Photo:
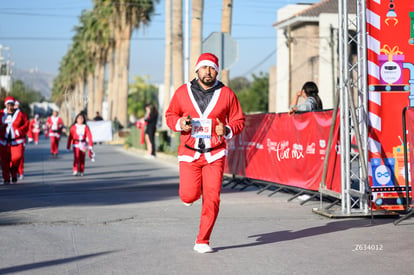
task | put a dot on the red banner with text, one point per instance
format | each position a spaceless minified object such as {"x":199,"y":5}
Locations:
{"x":288,"y":150}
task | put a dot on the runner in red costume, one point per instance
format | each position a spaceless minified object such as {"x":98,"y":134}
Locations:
{"x":56,"y":127}
{"x":20,"y":170}
{"x":13,"y":129}
{"x":80,"y":137}
{"x":207,"y":113}
{"x":34,"y":129}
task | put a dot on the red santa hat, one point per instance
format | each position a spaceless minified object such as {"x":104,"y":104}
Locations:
{"x":8,"y":100}
{"x":207,"y":59}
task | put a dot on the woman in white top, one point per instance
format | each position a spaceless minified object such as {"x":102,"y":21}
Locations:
{"x":312,"y":100}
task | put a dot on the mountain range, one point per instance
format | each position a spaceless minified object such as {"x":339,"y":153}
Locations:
{"x":36,"y":80}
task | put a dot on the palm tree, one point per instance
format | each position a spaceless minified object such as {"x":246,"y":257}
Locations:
{"x":126,"y":16}
{"x":196,"y":32}
{"x":226,"y":27}
{"x":177,"y":43}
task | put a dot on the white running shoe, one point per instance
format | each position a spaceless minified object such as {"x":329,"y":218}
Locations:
{"x":202,"y":248}
{"x":75,"y":173}
{"x":187,"y":204}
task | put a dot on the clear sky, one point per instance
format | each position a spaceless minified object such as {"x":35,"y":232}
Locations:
{"x":39,"y":34}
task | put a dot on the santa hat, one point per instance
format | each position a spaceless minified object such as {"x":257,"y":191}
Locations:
{"x":207,"y":59}
{"x":8,"y":100}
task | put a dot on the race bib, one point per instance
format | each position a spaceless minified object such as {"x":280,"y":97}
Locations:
{"x":201,"y":128}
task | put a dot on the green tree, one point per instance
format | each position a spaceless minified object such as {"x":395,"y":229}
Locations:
{"x":238,"y":84}
{"x":25,"y":95}
{"x":141,"y":93}
{"x":254,"y":98}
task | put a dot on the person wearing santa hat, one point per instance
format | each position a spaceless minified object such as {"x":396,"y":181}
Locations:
{"x":80,"y":137}
{"x":207,"y":113}
{"x":21,"y":165}
{"x":34,"y":129}
{"x":13,"y":129}
{"x":56,"y":127}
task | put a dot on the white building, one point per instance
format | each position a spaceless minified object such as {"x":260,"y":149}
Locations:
{"x":307,"y":50}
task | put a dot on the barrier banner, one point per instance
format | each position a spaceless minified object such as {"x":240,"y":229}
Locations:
{"x":391,"y":88}
{"x":101,"y":130}
{"x":286,"y":149}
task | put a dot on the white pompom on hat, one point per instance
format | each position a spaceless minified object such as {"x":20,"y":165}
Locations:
{"x":9,"y":100}
{"x":207,"y":59}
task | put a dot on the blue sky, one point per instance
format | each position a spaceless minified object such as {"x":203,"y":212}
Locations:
{"x":39,"y":34}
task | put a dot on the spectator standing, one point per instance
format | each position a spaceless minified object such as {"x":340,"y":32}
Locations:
{"x":311,"y":98}
{"x":98,"y":117}
{"x":151,"y":118}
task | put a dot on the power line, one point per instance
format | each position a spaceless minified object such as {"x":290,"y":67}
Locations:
{"x":260,"y":63}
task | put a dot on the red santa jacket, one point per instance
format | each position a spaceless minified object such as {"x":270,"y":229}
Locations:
{"x":55,"y":125}
{"x":80,"y":136}
{"x":224,"y":105}
{"x":13,"y":128}
{"x":35,"y":125}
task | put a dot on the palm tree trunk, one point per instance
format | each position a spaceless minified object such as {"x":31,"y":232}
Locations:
{"x":81,"y":102}
{"x":100,"y":91}
{"x":91,"y":99}
{"x":111,"y":78}
{"x":122,"y":112}
{"x":167,"y":61}
{"x":99,"y":86}
{"x":76,"y":98}
{"x":196,"y":33}
{"x":177,"y":43}
{"x":226,"y":27}
{"x":116,"y":76}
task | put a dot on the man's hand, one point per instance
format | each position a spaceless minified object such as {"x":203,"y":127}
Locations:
{"x":185,"y":123}
{"x":220,"y":128}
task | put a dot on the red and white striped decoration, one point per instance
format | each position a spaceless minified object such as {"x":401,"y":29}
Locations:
{"x":374,"y":98}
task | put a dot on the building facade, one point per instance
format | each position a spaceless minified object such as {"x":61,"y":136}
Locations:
{"x":307,"y":43}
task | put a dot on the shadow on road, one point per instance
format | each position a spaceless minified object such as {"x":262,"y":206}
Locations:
{"x":46,"y":264}
{"x":288,"y":235}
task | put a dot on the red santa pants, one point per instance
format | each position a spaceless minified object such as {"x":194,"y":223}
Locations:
{"x":36,"y":137}
{"x":21,"y":165}
{"x":200,"y":178}
{"x":78,"y":160}
{"x":54,"y":144}
{"x":11,"y":157}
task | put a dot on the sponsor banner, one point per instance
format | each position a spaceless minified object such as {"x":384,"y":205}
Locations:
{"x":391,"y":82}
{"x":287,"y":150}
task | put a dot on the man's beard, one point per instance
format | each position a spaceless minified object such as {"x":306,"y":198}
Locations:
{"x":207,"y":82}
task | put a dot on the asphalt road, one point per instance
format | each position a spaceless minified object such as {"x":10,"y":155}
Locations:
{"x":124,"y":217}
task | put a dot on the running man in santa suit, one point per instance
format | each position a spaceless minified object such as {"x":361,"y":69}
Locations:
{"x":207,"y":113}
{"x":56,"y":127}
{"x":13,"y":128}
